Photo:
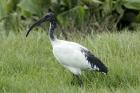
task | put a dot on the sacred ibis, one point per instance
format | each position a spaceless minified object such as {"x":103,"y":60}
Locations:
{"x":71,"y":55}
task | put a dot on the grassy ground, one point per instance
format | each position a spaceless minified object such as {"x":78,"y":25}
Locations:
{"x":27,"y":65}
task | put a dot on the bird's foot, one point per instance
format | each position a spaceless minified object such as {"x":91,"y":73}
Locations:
{"x":77,"y":81}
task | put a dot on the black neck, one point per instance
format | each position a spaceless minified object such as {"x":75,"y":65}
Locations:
{"x":51,"y":31}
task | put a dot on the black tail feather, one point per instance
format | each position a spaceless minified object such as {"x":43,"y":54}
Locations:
{"x":95,"y":63}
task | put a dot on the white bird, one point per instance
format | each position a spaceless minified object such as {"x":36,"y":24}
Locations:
{"x":72,"y":56}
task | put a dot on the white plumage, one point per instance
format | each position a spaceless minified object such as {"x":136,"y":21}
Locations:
{"x":72,"y":56}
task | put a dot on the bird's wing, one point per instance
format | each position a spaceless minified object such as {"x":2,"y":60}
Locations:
{"x":95,"y":63}
{"x":69,"y":54}
{"x":74,"y":54}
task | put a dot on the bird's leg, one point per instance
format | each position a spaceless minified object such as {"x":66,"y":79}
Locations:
{"x":80,"y":82}
{"x":77,"y":80}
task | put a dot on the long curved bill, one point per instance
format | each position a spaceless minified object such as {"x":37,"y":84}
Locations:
{"x":36,"y":24}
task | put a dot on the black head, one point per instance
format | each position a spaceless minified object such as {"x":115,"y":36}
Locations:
{"x":48,"y":17}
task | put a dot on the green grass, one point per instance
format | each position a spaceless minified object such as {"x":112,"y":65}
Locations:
{"x":27,"y":65}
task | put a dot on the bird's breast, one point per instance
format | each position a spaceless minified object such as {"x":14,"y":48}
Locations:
{"x":70,"y":56}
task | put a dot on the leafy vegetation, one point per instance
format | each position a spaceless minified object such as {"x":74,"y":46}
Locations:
{"x":97,"y":14}
{"x":27,"y":65}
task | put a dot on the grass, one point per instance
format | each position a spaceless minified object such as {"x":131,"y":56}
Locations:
{"x":27,"y":65}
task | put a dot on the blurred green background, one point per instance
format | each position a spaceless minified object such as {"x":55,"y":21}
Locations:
{"x":27,"y":65}
{"x":100,"y":15}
